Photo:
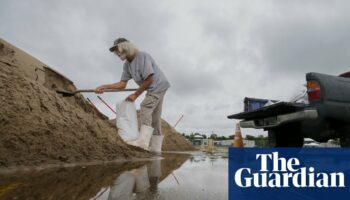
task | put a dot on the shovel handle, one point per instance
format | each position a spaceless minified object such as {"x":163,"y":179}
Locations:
{"x":107,"y":90}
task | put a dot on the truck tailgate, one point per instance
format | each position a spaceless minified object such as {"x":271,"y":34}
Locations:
{"x":268,"y":111}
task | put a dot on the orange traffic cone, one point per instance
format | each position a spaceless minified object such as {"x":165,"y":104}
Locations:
{"x":238,"y":141}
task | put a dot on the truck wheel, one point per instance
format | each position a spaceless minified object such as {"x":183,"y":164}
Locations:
{"x":286,"y":137}
{"x":345,"y":140}
{"x":344,"y":134}
{"x":272,"y":138}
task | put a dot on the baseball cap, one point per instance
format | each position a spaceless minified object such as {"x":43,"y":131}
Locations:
{"x":116,"y":42}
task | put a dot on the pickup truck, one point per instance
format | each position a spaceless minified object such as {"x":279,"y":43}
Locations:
{"x":325,"y":116}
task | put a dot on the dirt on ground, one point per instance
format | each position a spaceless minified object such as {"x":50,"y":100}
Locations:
{"x":39,"y":126}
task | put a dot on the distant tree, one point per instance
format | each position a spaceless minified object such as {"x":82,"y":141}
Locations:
{"x":190,"y":136}
{"x":213,"y":136}
{"x":260,"y":140}
{"x":250,"y":137}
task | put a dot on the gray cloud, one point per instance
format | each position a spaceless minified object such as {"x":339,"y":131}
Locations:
{"x":214,"y":54}
{"x":298,"y":37}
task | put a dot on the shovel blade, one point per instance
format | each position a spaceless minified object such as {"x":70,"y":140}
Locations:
{"x":65,"y":93}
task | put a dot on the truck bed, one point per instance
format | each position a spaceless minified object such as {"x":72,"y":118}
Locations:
{"x":268,"y":111}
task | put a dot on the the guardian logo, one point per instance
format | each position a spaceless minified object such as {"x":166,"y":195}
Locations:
{"x":286,"y":173}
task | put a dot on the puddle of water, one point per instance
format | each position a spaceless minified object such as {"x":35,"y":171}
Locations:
{"x":200,"y":177}
{"x":176,"y":176}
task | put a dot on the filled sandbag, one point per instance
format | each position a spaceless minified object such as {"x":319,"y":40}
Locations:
{"x":126,"y":120}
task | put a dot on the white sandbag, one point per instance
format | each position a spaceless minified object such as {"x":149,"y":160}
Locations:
{"x":300,"y":95}
{"x":126,"y":120}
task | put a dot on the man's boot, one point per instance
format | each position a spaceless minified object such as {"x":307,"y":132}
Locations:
{"x":144,"y":138}
{"x":156,"y":143}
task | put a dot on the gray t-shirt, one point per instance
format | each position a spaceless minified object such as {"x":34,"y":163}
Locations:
{"x":140,"y":68}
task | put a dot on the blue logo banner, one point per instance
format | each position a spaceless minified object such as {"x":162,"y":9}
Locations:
{"x":289,"y":173}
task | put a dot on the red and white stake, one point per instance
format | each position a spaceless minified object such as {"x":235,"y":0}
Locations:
{"x":107,"y":104}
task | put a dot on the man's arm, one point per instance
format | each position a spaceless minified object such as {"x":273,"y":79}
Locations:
{"x":118,"y":85}
{"x":146,"y":83}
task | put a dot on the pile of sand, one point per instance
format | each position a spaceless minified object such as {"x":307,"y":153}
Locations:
{"x":38,"y":126}
{"x":173,"y":140}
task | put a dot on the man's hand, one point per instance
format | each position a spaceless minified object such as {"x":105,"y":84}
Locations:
{"x":131,"y":97}
{"x":100,"y":89}
{"x":119,"y":85}
{"x":146,"y":83}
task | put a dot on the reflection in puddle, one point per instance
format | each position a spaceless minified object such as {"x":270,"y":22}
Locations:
{"x":201,"y":177}
{"x":137,"y":182}
{"x":176,"y":176}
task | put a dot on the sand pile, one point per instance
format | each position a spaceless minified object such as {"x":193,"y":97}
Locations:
{"x":38,"y":126}
{"x":173,"y":140}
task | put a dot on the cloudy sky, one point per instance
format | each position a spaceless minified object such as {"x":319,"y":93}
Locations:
{"x":214,"y":53}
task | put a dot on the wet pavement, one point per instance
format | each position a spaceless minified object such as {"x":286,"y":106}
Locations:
{"x":174,"y":176}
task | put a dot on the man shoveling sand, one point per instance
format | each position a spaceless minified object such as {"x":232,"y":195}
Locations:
{"x":141,"y":67}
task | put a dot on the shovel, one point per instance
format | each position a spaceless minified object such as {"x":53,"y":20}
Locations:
{"x":72,"y":93}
